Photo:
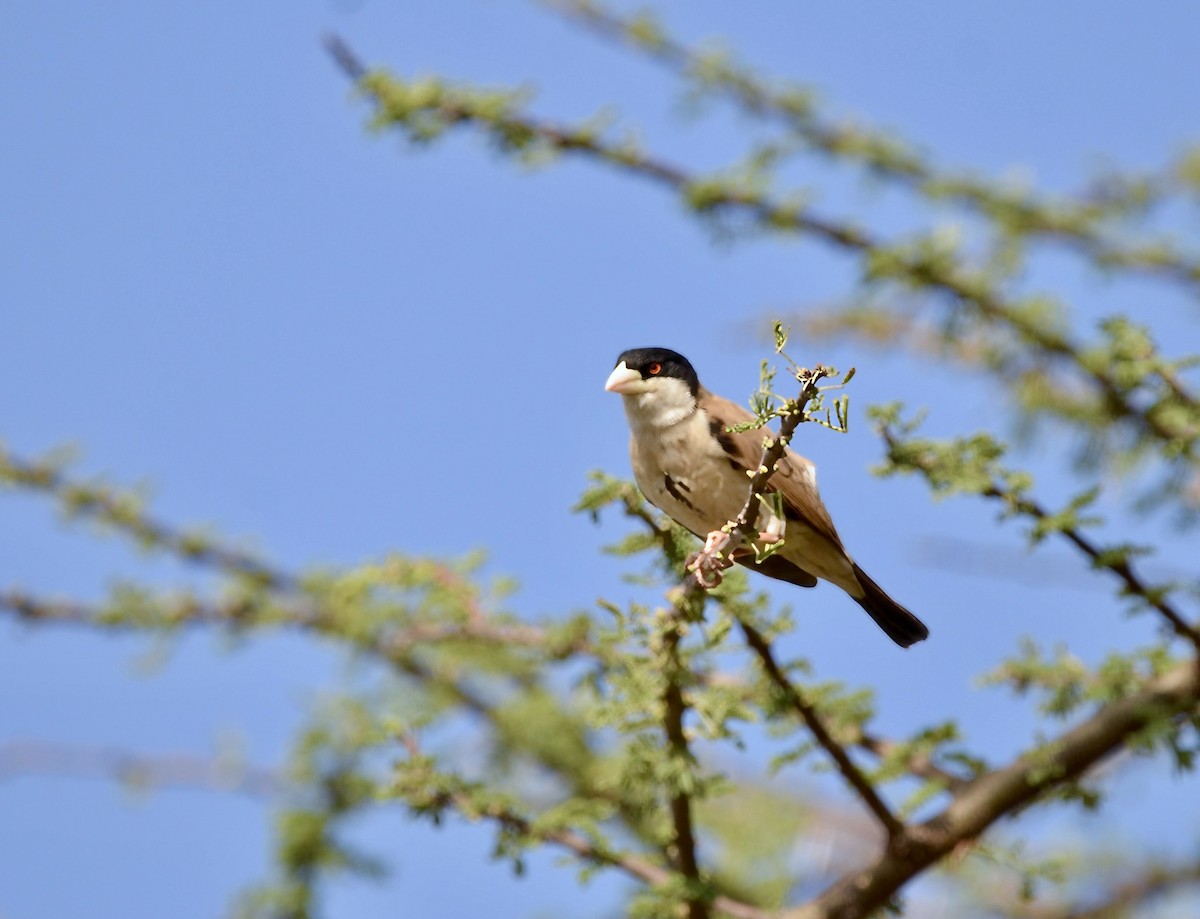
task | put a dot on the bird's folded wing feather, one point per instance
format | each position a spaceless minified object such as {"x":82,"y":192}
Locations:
{"x":794,"y":476}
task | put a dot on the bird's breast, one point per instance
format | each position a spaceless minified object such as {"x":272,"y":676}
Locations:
{"x":684,"y":472}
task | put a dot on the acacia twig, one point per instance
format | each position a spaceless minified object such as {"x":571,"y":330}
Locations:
{"x":1125,"y":897}
{"x":742,"y":530}
{"x":1154,"y":882}
{"x":718,"y":552}
{"x":121,"y":512}
{"x":175,"y":770}
{"x":965,"y":287}
{"x":1116,"y":563}
{"x":920,"y":765}
{"x":1069,"y":220}
{"x":813,"y":721}
{"x":674,"y":709}
{"x":188,"y":611}
{"x":584,"y":848}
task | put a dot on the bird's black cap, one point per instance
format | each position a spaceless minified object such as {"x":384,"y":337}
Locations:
{"x":669,"y":363}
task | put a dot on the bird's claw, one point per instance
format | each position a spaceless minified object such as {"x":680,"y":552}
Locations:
{"x":707,"y":564}
{"x":704,"y":571}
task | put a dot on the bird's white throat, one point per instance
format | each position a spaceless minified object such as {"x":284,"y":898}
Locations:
{"x":664,"y":404}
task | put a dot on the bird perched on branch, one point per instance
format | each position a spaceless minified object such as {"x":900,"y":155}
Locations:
{"x":689,"y":465}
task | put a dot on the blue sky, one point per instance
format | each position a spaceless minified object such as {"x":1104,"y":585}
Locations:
{"x":213,"y":280}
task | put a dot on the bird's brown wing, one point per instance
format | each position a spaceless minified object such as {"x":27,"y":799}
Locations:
{"x":794,"y":476}
{"x":795,"y":479}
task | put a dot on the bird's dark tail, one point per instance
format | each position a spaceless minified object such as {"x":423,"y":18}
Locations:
{"x":901,"y":626}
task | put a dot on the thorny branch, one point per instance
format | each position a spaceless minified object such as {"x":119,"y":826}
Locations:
{"x":674,"y":709}
{"x":22,"y":758}
{"x":744,"y":529}
{"x":123,"y":512}
{"x":1071,"y":220}
{"x":812,"y":720}
{"x":581,"y":846}
{"x":720,"y":547}
{"x":396,"y":104}
{"x":389,"y":645}
{"x":1117,"y":563}
{"x":1126,"y":897}
{"x":920,"y":765}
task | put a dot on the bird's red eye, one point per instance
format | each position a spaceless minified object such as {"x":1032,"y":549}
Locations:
{"x":654,"y":369}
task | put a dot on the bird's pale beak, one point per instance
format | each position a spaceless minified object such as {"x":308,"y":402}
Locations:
{"x":623,"y":380}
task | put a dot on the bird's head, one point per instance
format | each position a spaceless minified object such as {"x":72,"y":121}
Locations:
{"x":660,"y":386}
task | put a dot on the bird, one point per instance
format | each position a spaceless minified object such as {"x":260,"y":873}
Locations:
{"x":689,"y":465}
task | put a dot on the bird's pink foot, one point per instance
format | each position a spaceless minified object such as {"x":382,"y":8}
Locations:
{"x":707,"y":564}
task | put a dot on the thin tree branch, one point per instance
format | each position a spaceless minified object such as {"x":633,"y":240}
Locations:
{"x":718,"y":553}
{"x":919,"y":765}
{"x":964,"y":287}
{"x":585,"y":849}
{"x":1073,"y":221}
{"x":192,"y":612}
{"x":813,"y":721}
{"x":674,"y":709}
{"x":1121,"y":567}
{"x":344,"y":56}
{"x":1119,"y":898}
{"x":1155,"y":882}
{"x":20,"y":758}
{"x":122,"y":512}
{"x":1115,"y":562}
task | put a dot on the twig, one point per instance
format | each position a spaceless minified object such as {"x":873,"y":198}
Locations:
{"x":1155,"y":882}
{"x":1121,"y":567}
{"x":585,"y":849}
{"x":1123,"y":899}
{"x":1067,"y":220}
{"x":121,"y":513}
{"x":920,"y":765}
{"x":172,"y":612}
{"x":1118,"y":564}
{"x":187,"y":611}
{"x":24,"y":758}
{"x":808,"y":714}
{"x":945,"y":276}
{"x":674,"y":708}
{"x":343,"y":56}
{"x":743,"y":529}
{"x":718,"y":551}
